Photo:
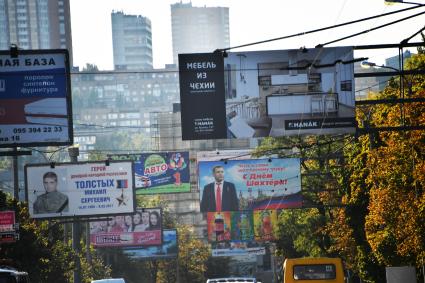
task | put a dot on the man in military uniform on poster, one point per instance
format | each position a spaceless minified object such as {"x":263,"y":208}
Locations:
{"x":51,"y":201}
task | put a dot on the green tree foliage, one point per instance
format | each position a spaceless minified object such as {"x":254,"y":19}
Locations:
{"x":383,"y":181}
{"x":41,"y":250}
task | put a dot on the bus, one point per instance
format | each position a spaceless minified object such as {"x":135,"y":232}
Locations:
{"x":313,"y":270}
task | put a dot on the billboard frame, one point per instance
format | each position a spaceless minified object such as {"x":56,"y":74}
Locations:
{"x":115,"y":245}
{"x":147,"y":247}
{"x":68,"y":97}
{"x":82,"y":216}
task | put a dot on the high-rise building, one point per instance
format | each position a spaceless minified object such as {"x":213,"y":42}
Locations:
{"x":198,"y":29}
{"x":132,"y":41}
{"x":35,"y":24}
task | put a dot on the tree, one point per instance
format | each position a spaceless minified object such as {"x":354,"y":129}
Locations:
{"x":41,"y":251}
{"x":383,"y":183}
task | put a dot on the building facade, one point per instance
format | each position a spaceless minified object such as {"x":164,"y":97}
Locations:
{"x":132,"y":41}
{"x":35,"y":24}
{"x":198,"y":29}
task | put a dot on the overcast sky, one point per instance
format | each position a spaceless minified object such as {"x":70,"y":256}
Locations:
{"x":250,"y":21}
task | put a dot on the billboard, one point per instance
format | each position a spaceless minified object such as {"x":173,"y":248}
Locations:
{"x":250,"y":184}
{"x":202,"y":99}
{"x":8,"y":227}
{"x":7,"y":221}
{"x":84,"y":189}
{"x":231,"y":233}
{"x":286,"y":92}
{"x":168,"y":249}
{"x":35,"y":98}
{"x":265,"y":225}
{"x":162,"y":172}
{"x":237,"y":248}
{"x":142,"y":228}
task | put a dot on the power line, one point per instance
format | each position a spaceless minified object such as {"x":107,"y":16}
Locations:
{"x":372,"y":29}
{"x":322,"y":29}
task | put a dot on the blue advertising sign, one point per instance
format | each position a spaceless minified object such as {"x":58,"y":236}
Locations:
{"x":35,"y":99}
{"x":250,"y":184}
{"x":162,"y":172}
{"x":168,"y":249}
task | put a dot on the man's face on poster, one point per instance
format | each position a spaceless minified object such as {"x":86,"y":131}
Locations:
{"x":50,"y":184}
{"x":219,"y":174}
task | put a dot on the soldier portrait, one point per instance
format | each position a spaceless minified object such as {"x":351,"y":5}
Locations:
{"x":51,"y":201}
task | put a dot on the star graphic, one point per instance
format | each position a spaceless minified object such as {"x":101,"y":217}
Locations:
{"x":121,"y":199}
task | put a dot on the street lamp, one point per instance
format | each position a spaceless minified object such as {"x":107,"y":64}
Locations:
{"x":390,"y":2}
{"x":368,"y":65}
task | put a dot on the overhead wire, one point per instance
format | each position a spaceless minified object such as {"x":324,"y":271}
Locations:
{"x":322,"y":29}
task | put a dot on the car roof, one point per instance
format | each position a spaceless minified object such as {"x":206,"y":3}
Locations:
{"x":8,"y":269}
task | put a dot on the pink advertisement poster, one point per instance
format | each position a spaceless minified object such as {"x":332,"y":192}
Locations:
{"x":143,"y":228}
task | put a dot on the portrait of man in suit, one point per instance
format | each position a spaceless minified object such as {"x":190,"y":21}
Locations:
{"x":219,"y":195}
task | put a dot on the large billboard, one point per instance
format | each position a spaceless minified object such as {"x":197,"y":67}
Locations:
{"x":168,"y":249}
{"x":35,"y":98}
{"x":202,"y":99}
{"x":232,"y":233}
{"x":159,"y":172}
{"x":142,"y":228}
{"x":85,"y":189}
{"x":286,"y":92}
{"x":162,"y":172}
{"x":251,"y":184}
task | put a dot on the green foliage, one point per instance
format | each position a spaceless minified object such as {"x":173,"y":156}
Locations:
{"x":41,"y":250}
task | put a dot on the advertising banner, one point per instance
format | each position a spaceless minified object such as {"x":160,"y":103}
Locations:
{"x":219,"y":226}
{"x":142,"y":228}
{"x":168,"y":249}
{"x":202,"y":99}
{"x":35,"y":98}
{"x":83,"y":189}
{"x":286,"y":92}
{"x":230,"y":225}
{"x":265,"y":223}
{"x":7,"y":221}
{"x":162,"y":172}
{"x":237,"y":248}
{"x":251,"y":184}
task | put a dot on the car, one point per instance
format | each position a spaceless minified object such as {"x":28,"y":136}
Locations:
{"x":234,"y":280}
{"x":109,"y":280}
{"x":11,"y":275}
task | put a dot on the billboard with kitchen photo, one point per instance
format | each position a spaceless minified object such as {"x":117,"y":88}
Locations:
{"x":287,"y":92}
{"x":60,"y":190}
{"x":249,"y":184}
{"x":142,"y":228}
{"x":168,"y":249}
{"x":35,"y":98}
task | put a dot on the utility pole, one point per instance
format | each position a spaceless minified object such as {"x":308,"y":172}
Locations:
{"x":73,"y":154}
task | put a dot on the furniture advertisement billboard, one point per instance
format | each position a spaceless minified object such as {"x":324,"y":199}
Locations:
{"x":35,"y":98}
{"x":284,"y":93}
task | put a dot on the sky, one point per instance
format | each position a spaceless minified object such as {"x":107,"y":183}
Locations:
{"x":250,"y":21}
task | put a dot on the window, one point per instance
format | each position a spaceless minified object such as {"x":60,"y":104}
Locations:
{"x":346,"y":85}
{"x":314,"y":272}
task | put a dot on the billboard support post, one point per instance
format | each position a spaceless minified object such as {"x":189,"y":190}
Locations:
{"x":15,"y":175}
{"x":73,"y":154}
{"x":15,"y":153}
